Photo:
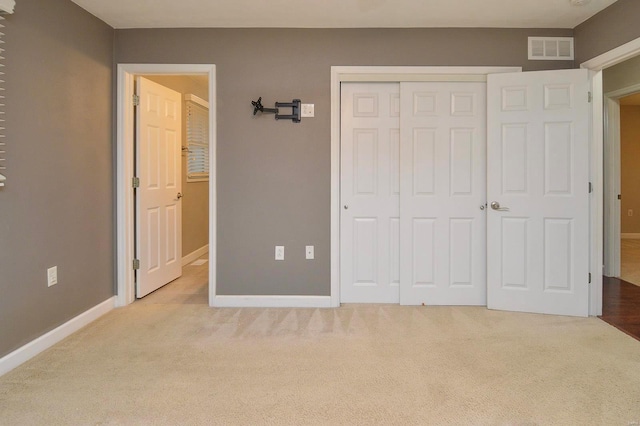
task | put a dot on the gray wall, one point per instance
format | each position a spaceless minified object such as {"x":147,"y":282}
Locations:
{"x":622,"y":75}
{"x":195,"y":203}
{"x":274,"y":176}
{"x":614,"y":26}
{"x":57,"y":207}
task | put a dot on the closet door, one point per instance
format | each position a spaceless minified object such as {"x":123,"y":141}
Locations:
{"x":369,"y":192}
{"x":443,"y":193}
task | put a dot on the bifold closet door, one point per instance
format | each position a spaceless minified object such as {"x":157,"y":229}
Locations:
{"x":443,"y":193}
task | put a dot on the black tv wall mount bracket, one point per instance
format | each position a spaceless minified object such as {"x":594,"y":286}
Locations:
{"x":294,"y":105}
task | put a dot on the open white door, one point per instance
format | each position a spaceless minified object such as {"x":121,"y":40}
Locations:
{"x":158,"y":206}
{"x":538,"y":192}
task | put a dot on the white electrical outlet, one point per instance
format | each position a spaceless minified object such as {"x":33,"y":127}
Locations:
{"x":52,"y":276}
{"x":279,"y":252}
{"x":630,"y":212}
{"x":307,"y":110}
{"x":309,"y":252}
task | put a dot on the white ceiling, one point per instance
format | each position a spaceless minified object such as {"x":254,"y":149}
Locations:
{"x":342,"y":13}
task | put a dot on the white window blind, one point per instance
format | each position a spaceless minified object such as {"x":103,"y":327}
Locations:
{"x":197,"y":111}
{"x":5,"y":7}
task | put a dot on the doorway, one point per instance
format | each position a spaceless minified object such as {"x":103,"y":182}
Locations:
{"x":172,"y":176}
{"x":630,"y":188}
{"x":622,"y":220}
{"x":125,"y":171}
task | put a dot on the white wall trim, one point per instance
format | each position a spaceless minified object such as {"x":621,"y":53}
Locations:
{"x":272,"y":302}
{"x":620,"y":93}
{"x":381,"y":74}
{"x":613,"y":56}
{"x":194,"y":255}
{"x":612,"y":187}
{"x":33,"y":348}
{"x":596,"y":156}
{"x":596,"y":65}
{"x":124,"y":170}
{"x":630,"y":236}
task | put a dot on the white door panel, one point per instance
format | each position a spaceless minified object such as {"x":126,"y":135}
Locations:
{"x":538,"y":173}
{"x":442,"y":193}
{"x":158,"y":206}
{"x":370,"y":186}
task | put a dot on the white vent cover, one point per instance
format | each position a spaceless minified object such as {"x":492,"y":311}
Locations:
{"x":550,"y":48}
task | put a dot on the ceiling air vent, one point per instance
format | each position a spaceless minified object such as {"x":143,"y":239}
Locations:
{"x":550,"y":48}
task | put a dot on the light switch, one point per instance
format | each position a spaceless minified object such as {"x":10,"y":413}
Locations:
{"x":307,"y":110}
{"x":52,"y":276}
{"x":309,"y":252}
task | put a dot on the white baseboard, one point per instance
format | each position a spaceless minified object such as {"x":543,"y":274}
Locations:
{"x":194,"y":255}
{"x":272,"y":301}
{"x":630,"y":236}
{"x":33,"y":348}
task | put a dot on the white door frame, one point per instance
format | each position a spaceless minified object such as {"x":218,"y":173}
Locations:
{"x":612,"y":169}
{"x":125,"y":218}
{"x":341,"y":74}
{"x":596,"y":65}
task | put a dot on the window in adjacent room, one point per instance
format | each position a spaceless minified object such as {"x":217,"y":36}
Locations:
{"x":197,"y":112}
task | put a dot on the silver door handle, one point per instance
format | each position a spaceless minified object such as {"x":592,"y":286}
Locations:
{"x":179,"y":196}
{"x":346,"y":207}
{"x":496,"y":206}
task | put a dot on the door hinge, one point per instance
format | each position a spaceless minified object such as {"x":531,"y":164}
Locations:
{"x":136,"y":100}
{"x":619,"y":196}
{"x":135,"y":182}
{"x":590,"y":97}
{"x":136,"y":264}
{"x":590,"y":187}
{"x":589,"y":277}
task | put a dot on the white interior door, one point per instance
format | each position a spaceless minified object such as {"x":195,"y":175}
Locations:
{"x":158,"y":206}
{"x":370,"y":186}
{"x":538,"y":178}
{"x":443,"y":193}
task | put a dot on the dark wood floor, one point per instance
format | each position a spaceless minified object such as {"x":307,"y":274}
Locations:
{"x":621,"y":305}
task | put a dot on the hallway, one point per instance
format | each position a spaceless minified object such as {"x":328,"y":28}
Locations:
{"x":621,"y":305}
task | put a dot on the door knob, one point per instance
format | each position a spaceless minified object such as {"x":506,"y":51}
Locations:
{"x":496,"y":206}
{"x":179,"y":195}
{"x":346,"y":207}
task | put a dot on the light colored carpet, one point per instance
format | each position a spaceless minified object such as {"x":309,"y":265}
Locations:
{"x":170,"y":359}
{"x":630,"y":260}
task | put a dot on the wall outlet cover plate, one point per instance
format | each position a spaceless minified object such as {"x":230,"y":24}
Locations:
{"x":279,"y":252}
